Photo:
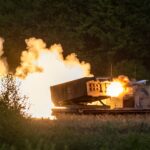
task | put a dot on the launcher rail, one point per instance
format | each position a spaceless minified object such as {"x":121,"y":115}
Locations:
{"x":96,"y":111}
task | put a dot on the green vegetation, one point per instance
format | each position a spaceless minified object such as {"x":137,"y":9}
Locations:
{"x":102,"y":32}
{"x":12,"y":106}
{"x":83,"y":132}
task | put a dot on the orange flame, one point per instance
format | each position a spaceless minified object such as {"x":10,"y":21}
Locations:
{"x":115,"y":89}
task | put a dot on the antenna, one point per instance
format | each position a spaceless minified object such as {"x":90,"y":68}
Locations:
{"x":135,"y":71}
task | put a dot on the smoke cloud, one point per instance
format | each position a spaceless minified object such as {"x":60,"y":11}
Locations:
{"x":40,"y":67}
{"x":31,"y":59}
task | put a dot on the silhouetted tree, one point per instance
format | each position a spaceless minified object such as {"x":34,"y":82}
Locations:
{"x":12,"y":115}
{"x":11,"y":100}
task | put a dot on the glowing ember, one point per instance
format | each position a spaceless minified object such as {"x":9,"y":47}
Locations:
{"x":115,"y":89}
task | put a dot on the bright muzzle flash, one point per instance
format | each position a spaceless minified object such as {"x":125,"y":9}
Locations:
{"x":115,"y":89}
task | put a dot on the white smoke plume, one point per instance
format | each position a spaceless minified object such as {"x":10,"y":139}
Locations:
{"x":32,"y":61}
{"x":42,"y":67}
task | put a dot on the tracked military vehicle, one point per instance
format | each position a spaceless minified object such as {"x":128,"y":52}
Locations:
{"x":89,"y":96}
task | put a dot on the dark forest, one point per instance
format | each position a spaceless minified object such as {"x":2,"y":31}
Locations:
{"x":104,"y":32}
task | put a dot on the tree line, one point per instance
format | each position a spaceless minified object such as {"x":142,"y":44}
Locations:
{"x":103,"y":32}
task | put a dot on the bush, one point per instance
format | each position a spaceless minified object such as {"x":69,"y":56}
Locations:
{"x":12,"y":106}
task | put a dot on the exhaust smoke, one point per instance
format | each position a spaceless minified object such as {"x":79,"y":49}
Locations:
{"x":40,"y":67}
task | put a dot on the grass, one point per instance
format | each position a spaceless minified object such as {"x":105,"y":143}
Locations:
{"x":74,"y":132}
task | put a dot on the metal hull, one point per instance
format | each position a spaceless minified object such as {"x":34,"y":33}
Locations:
{"x":70,"y":92}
